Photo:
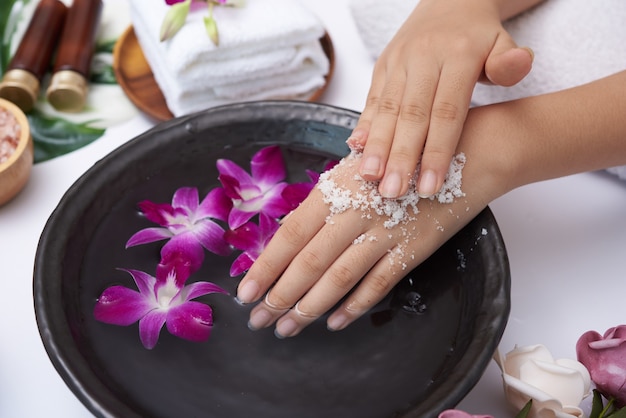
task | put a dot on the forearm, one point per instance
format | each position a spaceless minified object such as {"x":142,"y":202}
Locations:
{"x":548,"y":136}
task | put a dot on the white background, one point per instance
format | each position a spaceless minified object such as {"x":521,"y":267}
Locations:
{"x":566,"y":241}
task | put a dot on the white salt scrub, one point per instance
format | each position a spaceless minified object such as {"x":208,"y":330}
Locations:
{"x":9,"y":134}
{"x":369,"y":201}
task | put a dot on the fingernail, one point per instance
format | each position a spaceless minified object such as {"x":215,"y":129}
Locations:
{"x":530,"y":51}
{"x":259,"y":319}
{"x":336,"y":322}
{"x":286,"y":328}
{"x":390,"y":187}
{"x":370,"y":166}
{"x":247,"y":293}
{"x":427,"y":184}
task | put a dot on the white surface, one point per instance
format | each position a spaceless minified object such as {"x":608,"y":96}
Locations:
{"x":566,"y":241}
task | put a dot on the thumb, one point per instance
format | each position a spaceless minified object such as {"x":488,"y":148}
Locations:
{"x":507,"y":64}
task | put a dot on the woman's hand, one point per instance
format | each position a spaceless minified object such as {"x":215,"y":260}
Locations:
{"x":422,"y":85}
{"x":344,"y":237}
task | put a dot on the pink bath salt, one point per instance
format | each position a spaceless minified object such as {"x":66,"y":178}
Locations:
{"x":10,"y":131}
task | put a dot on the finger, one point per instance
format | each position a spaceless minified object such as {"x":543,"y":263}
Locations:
{"x":378,"y":282}
{"x":410,"y":134}
{"x":507,"y":64}
{"x":360,"y":133}
{"x":305,"y":270}
{"x":382,"y":127}
{"x":293,"y":235}
{"x":336,"y":282}
{"x":450,"y":108}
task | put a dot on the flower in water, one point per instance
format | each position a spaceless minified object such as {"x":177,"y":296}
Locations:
{"x":605,"y":358}
{"x":251,"y":239}
{"x":160,"y":300}
{"x":187,"y":223}
{"x":260,"y":192}
{"x":556,"y":387}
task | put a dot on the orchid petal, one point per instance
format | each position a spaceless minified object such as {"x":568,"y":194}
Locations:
{"x":455,"y":413}
{"x":191,"y":321}
{"x":230,"y":169}
{"x":245,"y":237}
{"x":274,"y":204}
{"x":148,"y":235}
{"x":238,"y":217}
{"x":241,"y":264}
{"x":150,"y":328}
{"x":119,"y":305}
{"x":198,"y":289}
{"x":186,"y":197}
{"x":268,"y":167}
{"x":159,"y":213}
{"x":215,"y":205}
{"x":294,"y":194}
{"x":182,"y":253}
{"x":211,"y":236}
{"x":145,"y":282}
{"x":268,"y":227}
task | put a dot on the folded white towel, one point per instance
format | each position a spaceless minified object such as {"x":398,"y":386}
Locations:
{"x":268,"y":49}
{"x":575,"y":42}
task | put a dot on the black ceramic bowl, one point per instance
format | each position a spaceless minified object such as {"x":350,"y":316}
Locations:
{"x":393,"y":362}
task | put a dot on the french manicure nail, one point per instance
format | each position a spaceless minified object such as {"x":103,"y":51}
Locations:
{"x":427,"y":184}
{"x":286,"y":328}
{"x":259,"y":319}
{"x":391,"y":185}
{"x":247,"y":293}
{"x":336,"y":322}
{"x":370,"y":166}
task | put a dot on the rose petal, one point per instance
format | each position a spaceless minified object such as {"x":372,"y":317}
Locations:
{"x":191,"y":321}
{"x":561,"y":383}
{"x":150,"y":328}
{"x":119,"y":305}
{"x":514,"y":359}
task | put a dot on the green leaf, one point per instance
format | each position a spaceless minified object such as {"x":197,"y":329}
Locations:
{"x":597,"y":406}
{"x":620,"y":413}
{"x":211,"y":29}
{"x":53,"y":137}
{"x":8,"y":20}
{"x":174,"y":19}
{"x":525,"y":410}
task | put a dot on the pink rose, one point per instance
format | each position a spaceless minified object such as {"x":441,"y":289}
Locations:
{"x":605,"y":358}
{"x":455,"y":413}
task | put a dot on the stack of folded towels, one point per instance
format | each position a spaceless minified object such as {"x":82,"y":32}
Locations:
{"x":268,"y":49}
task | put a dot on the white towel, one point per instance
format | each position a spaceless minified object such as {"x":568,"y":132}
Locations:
{"x":268,"y":49}
{"x":575,"y":42}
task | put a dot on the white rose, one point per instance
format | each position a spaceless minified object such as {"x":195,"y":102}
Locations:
{"x":556,"y":387}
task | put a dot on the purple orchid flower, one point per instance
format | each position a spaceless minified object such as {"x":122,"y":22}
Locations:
{"x":161,"y":300}
{"x":260,"y":192}
{"x":187,"y":223}
{"x":295,"y":193}
{"x":251,"y":239}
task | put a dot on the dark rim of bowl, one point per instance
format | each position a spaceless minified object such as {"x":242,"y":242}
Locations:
{"x":50,"y":315}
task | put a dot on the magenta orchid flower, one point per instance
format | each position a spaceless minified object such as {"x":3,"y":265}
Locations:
{"x":251,"y":239}
{"x":260,"y":192}
{"x":187,"y":223}
{"x":605,"y":358}
{"x":161,"y":300}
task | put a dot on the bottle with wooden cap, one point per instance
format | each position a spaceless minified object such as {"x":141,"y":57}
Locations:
{"x":32,"y":58}
{"x":68,"y":87}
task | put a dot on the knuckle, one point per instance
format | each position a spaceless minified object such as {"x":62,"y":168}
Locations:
{"x":379,"y":285}
{"x":311,"y":262}
{"x":292,"y":232}
{"x":388,"y":105}
{"x":414,"y":114}
{"x":446,"y":111}
{"x":276,"y":301}
{"x":342,"y":277}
